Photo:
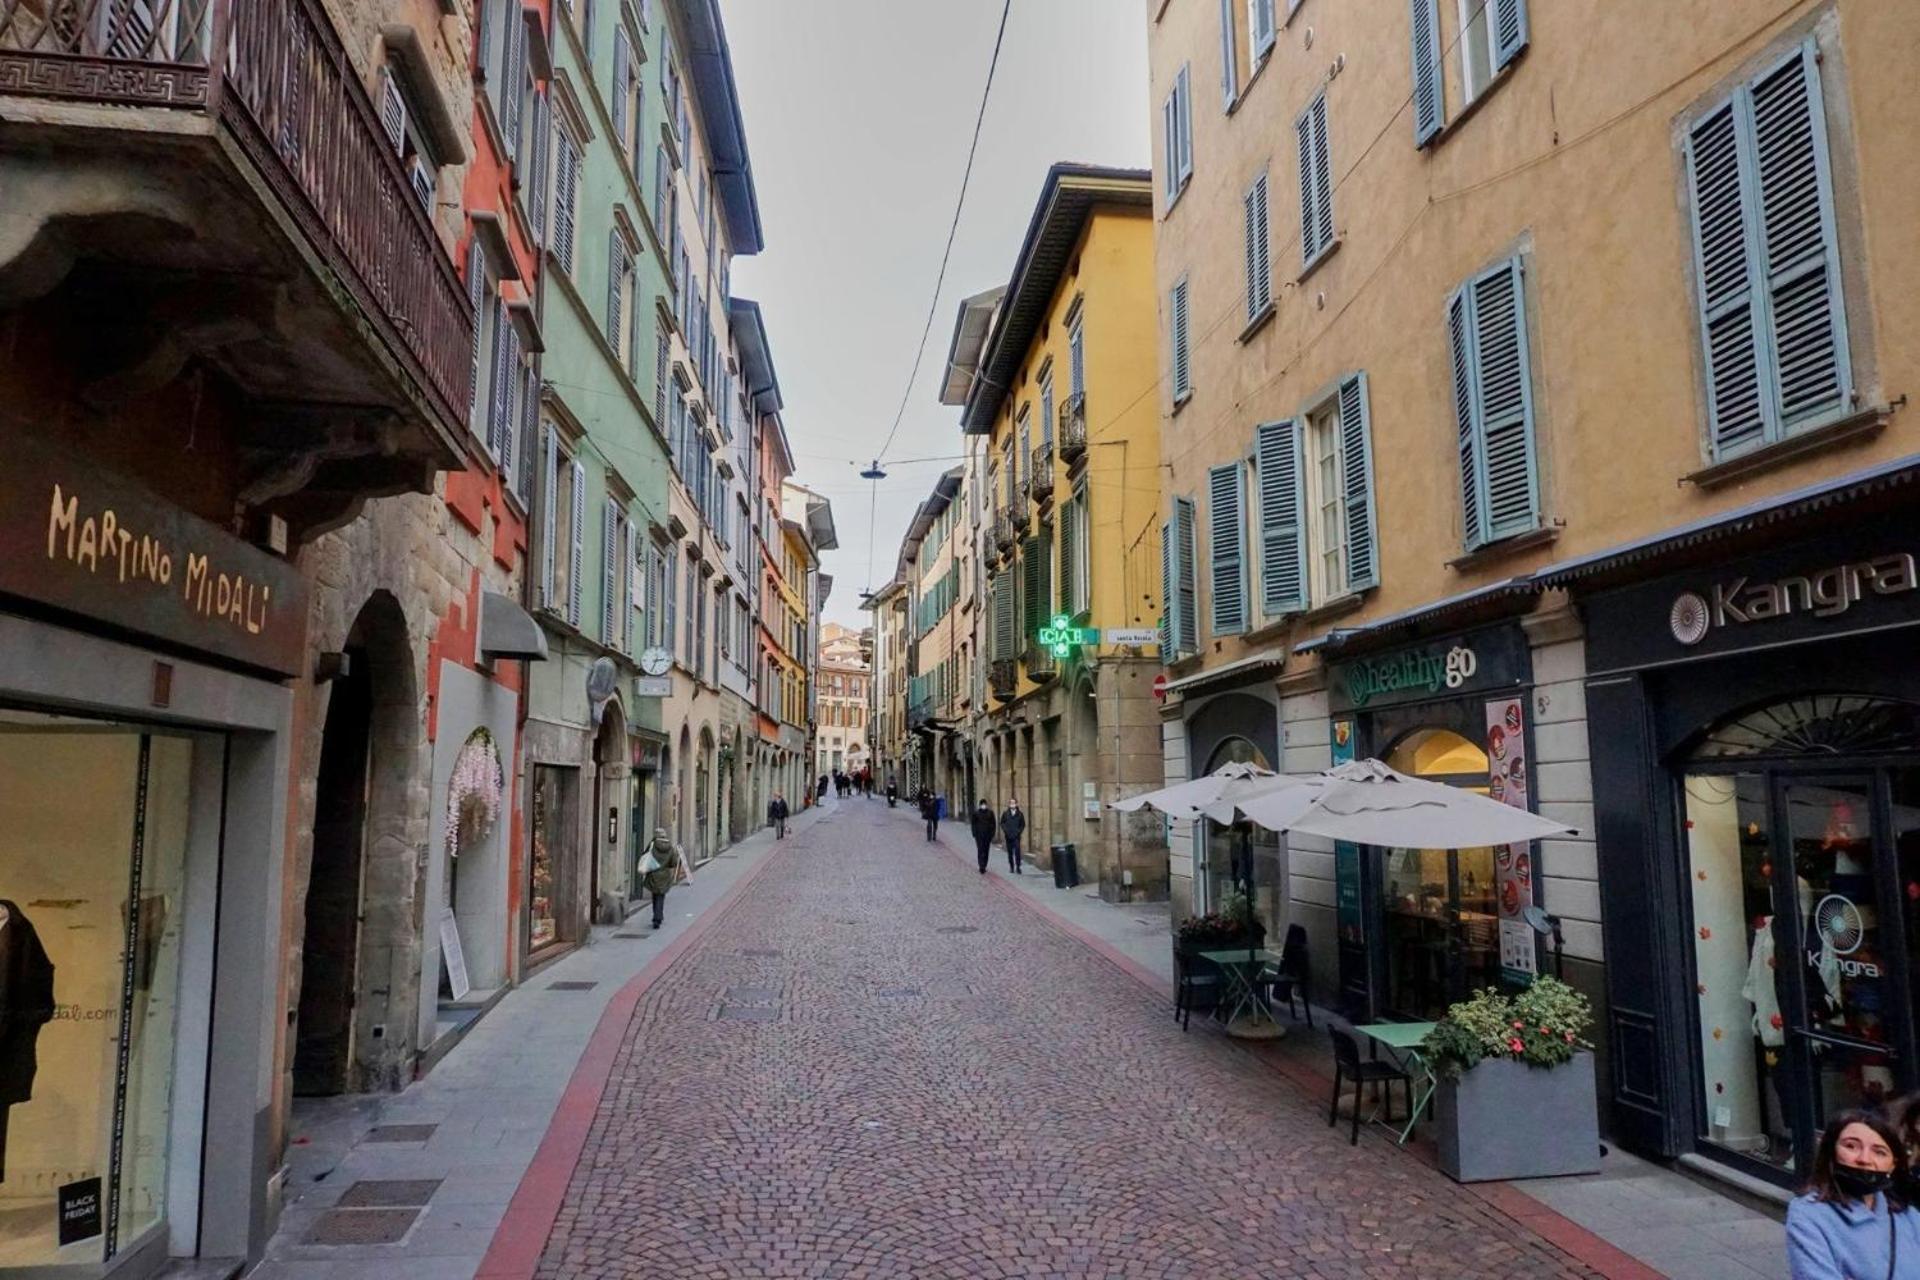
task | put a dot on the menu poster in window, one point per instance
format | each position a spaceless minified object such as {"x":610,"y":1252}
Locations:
{"x":1509,"y":782}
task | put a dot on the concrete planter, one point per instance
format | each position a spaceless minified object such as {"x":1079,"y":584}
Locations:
{"x":1504,"y":1119}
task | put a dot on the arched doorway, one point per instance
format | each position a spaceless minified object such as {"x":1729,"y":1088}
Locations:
{"x":1802,"y":838}
{"x":1242,"y":857}
{"x":703,"y":815}
{"x":368,"y":755}
{"x":473,"y":881}
{"x":681,"y":825}
{"x":610,"y":754}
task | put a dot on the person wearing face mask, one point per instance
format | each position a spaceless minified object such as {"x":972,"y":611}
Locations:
{"x":1853,"y":1222}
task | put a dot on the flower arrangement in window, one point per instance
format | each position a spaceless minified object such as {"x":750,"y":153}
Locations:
{"x":474,"y":792}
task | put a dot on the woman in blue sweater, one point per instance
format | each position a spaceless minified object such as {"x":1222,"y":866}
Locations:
{"x":1852,"y":1223}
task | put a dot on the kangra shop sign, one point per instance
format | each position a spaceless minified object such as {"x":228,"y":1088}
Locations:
{"x":80,"y":540}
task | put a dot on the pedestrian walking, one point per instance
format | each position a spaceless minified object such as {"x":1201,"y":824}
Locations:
{"x":930,"y":813}
{"x":661,"y":866}
{"x":823,"y":786}
{"x":1853,"y":1222}
{"x":777,"y":815}
{"x":983,"y":827}
{"x":1013,"y":825}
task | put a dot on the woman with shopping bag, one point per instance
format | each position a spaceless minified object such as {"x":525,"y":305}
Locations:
{"x":661,"y":866}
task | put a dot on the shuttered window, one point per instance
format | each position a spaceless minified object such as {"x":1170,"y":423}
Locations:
{"x":1229,"y":68}
{"x":476,"y":298}
{"x":1767,"y":260}
{"x":579,"y":505}
{"x":1033,"y":588}
{"x":1176,"y":125}
{"x":549,"y":513}
{"x":1280,"y":473}
{"x":1186,"y":614}
{"x":1002,"y":597}
{"x":1493,"y":405}
{"x":1261,"y":27}
{"x":1069,"y":552}
{"x":622,"y":88}
{"x":1316,"y":180}
{"x":1258,"y":264}
{"x":1509,"y":30}
{"x":1169,"y":592}
{"x":1357,"y":492}
{"x":1429,"y":93}
{"x":1227,"y":548}
{"x":1177,"y":326}
{"x":536,"y":174}
{"x":611,"y":537}
{"x":566,"y":196}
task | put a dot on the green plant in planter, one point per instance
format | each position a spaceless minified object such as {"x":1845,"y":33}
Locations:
{"x":1542,"y":1026}
{"x":1230,"y":926}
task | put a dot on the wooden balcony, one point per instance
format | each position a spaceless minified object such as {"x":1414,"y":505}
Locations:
{"x":1073,"y":427}
{"x":218,"y":170}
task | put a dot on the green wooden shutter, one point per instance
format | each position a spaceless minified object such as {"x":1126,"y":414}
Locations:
{"x":1032,"y":555}
{"x":1186,"y":595}
{"x":1169,"y":595}
{"x":1726,"y":266}
{"x":1045,"y":558}
{"x":1509,"y":30}
{"x":1429,"y":96}
{"x":1283,"y":545}
{"x":1356,"y":484}
{"x":1226,"y":547}
{"x":1067,"y":534}
{"x":1003,"y":634}
{"x":1506,"y":402}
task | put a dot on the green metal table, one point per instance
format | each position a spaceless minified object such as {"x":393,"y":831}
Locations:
{"x":1242,"y":966}
{"x":1403,"y":1041}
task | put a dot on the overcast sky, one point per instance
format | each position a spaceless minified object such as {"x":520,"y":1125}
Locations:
{"x":858,"y":114}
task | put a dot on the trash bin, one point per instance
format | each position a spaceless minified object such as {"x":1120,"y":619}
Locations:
{"x":1072,"y":856}
{"x":940,"y":808}
{"x":1057,"y":854}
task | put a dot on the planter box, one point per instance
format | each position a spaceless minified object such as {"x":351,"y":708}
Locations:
{"x":1505,"y":1120}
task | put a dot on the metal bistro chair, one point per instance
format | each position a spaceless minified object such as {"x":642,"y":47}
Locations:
{"x":1195,"y":985}
{"x":1348,"y":1063}
{"x":1293,"y":977}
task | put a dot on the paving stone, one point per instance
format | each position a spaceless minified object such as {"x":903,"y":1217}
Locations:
{"x":362,"y":1226}
{"x":1042,"y":1117}
{"x":377,"y":1193}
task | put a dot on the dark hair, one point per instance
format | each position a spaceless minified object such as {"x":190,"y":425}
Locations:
{"x":1821,"y":1183}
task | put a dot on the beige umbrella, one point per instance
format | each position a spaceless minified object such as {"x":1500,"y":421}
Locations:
{"x":1366,"y":802}
{"x":1188,"y":799}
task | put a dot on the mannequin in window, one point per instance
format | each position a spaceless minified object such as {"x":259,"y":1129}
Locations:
{"x":26,"y":1005}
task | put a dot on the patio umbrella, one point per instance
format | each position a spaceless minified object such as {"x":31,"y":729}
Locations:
{"x":1187,"y":799}
{"x":1366,"y":802}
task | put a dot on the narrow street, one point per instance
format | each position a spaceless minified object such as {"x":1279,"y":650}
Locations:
{"x":922,"y":1077}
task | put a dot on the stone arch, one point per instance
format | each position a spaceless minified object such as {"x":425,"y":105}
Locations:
{"x":706,"y":817}
{"x":608,"y":815}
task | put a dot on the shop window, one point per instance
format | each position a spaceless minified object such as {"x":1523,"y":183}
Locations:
{"x":1242,"y":857}
{"x":554,"y":789}
{"x":93,"y":923}
{"x":1821,"y":724}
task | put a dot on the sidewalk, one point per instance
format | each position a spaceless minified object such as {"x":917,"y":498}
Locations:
{"x":1635,"y":1210}
{"x":412,"y":1185}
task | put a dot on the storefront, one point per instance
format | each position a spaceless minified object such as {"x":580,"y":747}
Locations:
{"x":1225,"y":724}
{"x":643,"y":811}
{"x":1418,"y":929}
{"x":1759,"y":828}
{"x":144,"y":742}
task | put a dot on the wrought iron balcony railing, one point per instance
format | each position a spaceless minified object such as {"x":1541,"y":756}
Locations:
{"x":1004,"y":532}
{"x":1002,"y":678}
{"x":1040,"y":662}
{"x":1018,"y":510}
{"x":276,"y":76}
{"x":1043,"y":475}
{"x":1073,"y":426}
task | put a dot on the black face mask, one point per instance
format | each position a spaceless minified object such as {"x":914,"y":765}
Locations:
{"x":1858,"y":1184}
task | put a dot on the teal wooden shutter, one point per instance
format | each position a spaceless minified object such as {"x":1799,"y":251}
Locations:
{"x":1493,"y":405}
{"x":1316,"y":180}
{"x":1044,"y":595}
{"x":1258,"y":264}
{"x":1226,"y":546}
{"x":1509,"y":30}
{"x":1169,"y":593}
{"x":1429,"y":95}
{"x":1726,"y":267}
{"x":1277,"y":458}
{"x":1356,"y":483}
{"x":1186,"y":594}
{"x":1177,"y":323}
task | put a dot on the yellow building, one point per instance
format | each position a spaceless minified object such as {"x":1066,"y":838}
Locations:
{"x":1531,"y":389}
{"x":1060,"y":384}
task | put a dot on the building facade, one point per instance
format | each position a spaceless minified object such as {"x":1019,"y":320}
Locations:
{"x":1071,"y":482}
{"x":1410,"y":515}
{"x":841,"y":743}
{"x":893,"y":764}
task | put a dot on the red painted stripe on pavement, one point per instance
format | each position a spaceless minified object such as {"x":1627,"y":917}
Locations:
{"x":522,"y":1234}
{"x":1562,"y":1232}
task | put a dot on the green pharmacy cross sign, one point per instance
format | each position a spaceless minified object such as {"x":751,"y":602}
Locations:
{"x":1063,"y":638}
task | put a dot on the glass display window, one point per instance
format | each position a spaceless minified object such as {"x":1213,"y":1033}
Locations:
{"x":94,"y":823}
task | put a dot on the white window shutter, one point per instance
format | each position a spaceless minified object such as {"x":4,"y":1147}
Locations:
{"x":501,"y":393}
{"x":616,"y":271}
{"x":476,"y":295}
{"x":510,"y":415}
{"x":566,"y":185}
{"x":1429,"y":94}
{"x":529,"y":436}
{"x":609,"y":567}
{"x":1226,"y":548}
{"x":1356,"y":479}
{"x":622,"y":85}
{"x":1169,"y":591}
{"x":549,"y":513}
{"x":1509,"y":30}
{"x":393,"y":111}
{"x":1283,"y":542}
{"x":578,"y":542}
{"x":513,"y":86}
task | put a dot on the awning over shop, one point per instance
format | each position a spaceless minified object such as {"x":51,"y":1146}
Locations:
{"x":1230,"y":673}
{"x":507,"y":631}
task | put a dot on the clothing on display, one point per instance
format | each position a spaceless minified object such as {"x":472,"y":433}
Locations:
{"x":26,"y":1005}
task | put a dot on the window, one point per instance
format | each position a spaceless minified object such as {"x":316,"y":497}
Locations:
{"x":1076,"y":356}
{"x":1476,"y":48}
{"x":623,"y":315}
{"x":1179,"y":620}
{"x":501,"y":64}
{"x":1316,"y":503}
{"x":1493,"y":405}
{"x":1227,"y":547}
{"x":1177,"y":326}
{"x":1023,"y":458}
{"x":562,"y":528}
{"x":1046,"y":411}
{"x":1261,"y":26}
{"x":1176,"y":124}
{"x":1259,"y":268}
{"x":626,"y":98}
{"x":1229,"y":66}
{"x":1492,"y":33}
{"x":614,"y":607}
{"x":566,"y":194}
{"x":1429,"y":96}
{"x":402,"y":128}
{"x":1767,"y":261}
{"x":1316,"y":181}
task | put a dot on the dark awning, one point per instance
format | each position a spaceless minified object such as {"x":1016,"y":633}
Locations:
{"x":506,"y":630}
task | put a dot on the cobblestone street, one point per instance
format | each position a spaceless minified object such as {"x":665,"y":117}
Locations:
{"x":877,"y":1064}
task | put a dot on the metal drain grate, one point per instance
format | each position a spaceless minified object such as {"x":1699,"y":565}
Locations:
{"x":400,"y":1133}
{"x":572,"y":986}
{"x":389,"y":1193}
{"x":748,"y":1013}
{"x":630,"y":936}
{"x":957,"y":928}
{"x":362,"y":1226}
{"x":752,"y":995}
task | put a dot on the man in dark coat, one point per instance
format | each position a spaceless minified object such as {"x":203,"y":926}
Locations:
{"x":1013,"y":825}
{"x":930,"y":811}
{"x":983,"y":827}
{"x":777,"y":816}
